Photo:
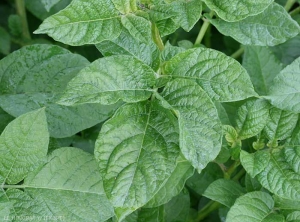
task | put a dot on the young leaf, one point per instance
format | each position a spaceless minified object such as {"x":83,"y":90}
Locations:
{"x":235,"y":10}
{"x":284,"y":93}
{"x":83,"y":22}
{"x":280,"y":124}
{"x":70,"y":175}
{"x":279,"y":178}
{"x":136,"y":163}
{"x":200,"y":131}
{"x":110,"y":79}
{"x":252,"y":117}
{"x":262,"y":66}
{"x":252,"y":207}
{"x":23,"y":146}
{"x":292,"y":156}
{"x":224,"y":191}
{"x":271,"y":27}
{"x":222,"y":77}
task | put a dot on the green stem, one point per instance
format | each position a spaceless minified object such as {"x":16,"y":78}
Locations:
{"x":289,"y":4}
{"x":20,"y":6}
{"x":238,"y":53}
{"x":156,"y":37}
{"x":231,"y":169}
{"x":295,"y":11}
{"x":207,"y":209}
{"x":203,"y":29}
{"x":239,"y":175}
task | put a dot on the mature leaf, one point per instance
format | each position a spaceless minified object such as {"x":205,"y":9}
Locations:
{"x":262,"y":66}
{"x":269,"y":28}
{"x":4,"y":41}
{"x":23,"y":146}
{"x":34,"y":76}
{"x":166,"y":27}
{"x":156,"y":214}
{"x":224,"y":191}
{"x":254,"y":163}
{"x":83,"y":22}
{"x":5,"y":118}
{"x":280,"y":124}
{"x":174,"y":183}
{"x":110,"y":79}
{"x":293,"y":217}
{"x":125,"y":6}
{"x":284,"y":93}
{"x":252,"y":184}
{"x":136,"y":163}
{"x":5,"y":206}
{"x":252,"y":207}
{"x":279,"y":178}
{"x":15,"y":25}
{"x":252,"y":117}
{"x":292,"y":156}
{"x":200,"y":131}
{"x":48,"y":4}
{"x":287,"y":204}
{"x":126,"y":44}
{"x":295,"y":138}
{"x":222,"y":77}
{"x":235,"y":10}
{"x":138,"y":27}
{"x":274,"y":217}
{"x":170,"y":51}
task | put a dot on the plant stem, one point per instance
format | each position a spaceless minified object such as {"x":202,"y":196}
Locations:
{"x":231,"y":169}
{"x":203,"y":29}
{"x":295,"y":11}
{"x":12,"y":186}
{"x":238,"y":53}
{"x":156,"y":37}
{"x":239,"y":175}
{"x":207,"y":209}
{"x":20,"y":7}
{"x":289,"y":4}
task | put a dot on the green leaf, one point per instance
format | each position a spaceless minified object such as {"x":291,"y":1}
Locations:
{"x":138,"y":27}
{"x":173,"y":185}
{"x":136,"y":163}
{"x":254,"y":163}
{"x":224,"y":191}
{"x":280,"y":124}
{"x":252,"y":117}
{"x":15,"y":25}
{"x":262,"y":66}
{"x":235,"y":10}
{"x":126,"y":44}
{"x":293,"y":217}
{"x":166,"y":27}
{"x":83,"y":22}
{"x":170,"y":51}
{"x":110,"y":79}
{"x":252,"y":207}
{"x":284,"y":92}
{"x":295,"y":138}
{"x":274,"y":217}
{"x":34,"y":76}
{"x":5,"y":118}
{"x":4,"y":41}
{"x":5,"y":206}
{"x":287,"y":204}
{"x":125,"y":6}
{"x":271,"y":27}
{"x":279,"y":178}
{"x":292,"y":156}
{"x":23,"y":146}
{"x":151,"y":214}
{"x":222,"y":77}
{"x":200,"y":131}
{"x":48,"y":4}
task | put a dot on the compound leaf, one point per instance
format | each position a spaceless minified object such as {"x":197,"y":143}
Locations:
{"x":235,"y":10}
{"x":284,"y":92}
{"x":200,"y":131}
{"x":110,"y":79}
{"x":271,"y":27}
{"x":136,"y":163}
{"x":23,"y":146}
{"x":222,"y":77}
{"x":83,"y":22}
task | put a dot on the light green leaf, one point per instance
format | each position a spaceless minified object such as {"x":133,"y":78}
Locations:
{"x":166,"y":27}
{"x":48,"y":4}
{"x":138,"y":27}
{"x":292,"y":156}
{"x":235,"y":10}
{"x":4,"y":41}
{"x":126,"y":44}
{"x":163,"y":11}
{"x":23,"y":146}
{"x":222,"y":77}
{"x":110,"y":79}
{"x":262,"y":66}
{"x":252,"y":207}
{"x":170,"y":51}
{"x":271,"y":27}
{"x":252,"y":117}
{"x":200,"y":130}
{"x":173,"y":185}
{"x":136,"y":163}
{"x":284,"y":92}
{"x":224,"y":191}
{"x":280,"y":124}
{"x":231,"y":135}
{"x":254,"y":163}
{"x":83,"y":22}
{"x":34,"y":76}
{"x":5,"y":206}
{"x":125,"y":6}
{"x":279,"y":178}
{"x":293,"y":217}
